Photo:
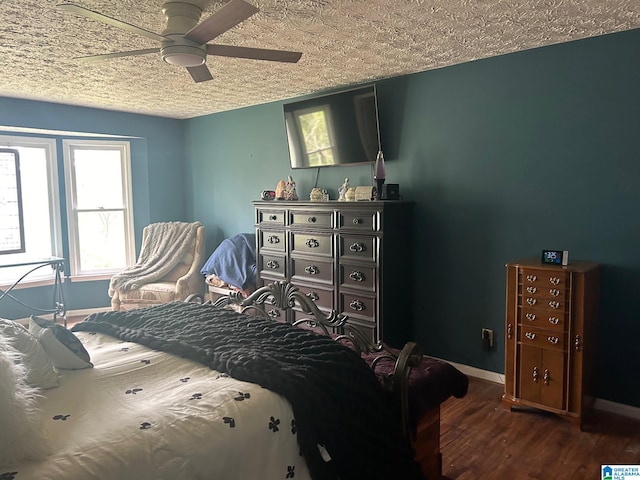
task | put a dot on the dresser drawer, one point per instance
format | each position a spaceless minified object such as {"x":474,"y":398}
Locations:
{"x":544,"y":278}
{"x":322,"y":298}
{"x":551,"y":320}
{"x":300,"y":316}
{"x":360,"y":247}
{"x":312,"y":219}
{"x":549,"y":292}
{"x":358,"y":306}
{"x":272,"y":265}
{"x":272,"y":240}
{"x":274,"y":313}
{"x":358,"y":276}
{"x":315,"y":270}
{"x":536,"y":337}
{"x":271,"y":216}
{"x":358,"y":220}
{"x":312,"y":243}
{"x":365,"y":329}
{"x":549,"y":304}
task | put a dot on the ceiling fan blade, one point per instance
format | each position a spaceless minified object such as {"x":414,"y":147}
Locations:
{"x":84,"y":12}
{"x":253,"y":53}
{"x":227,"y":17}
{"x":106,"y":56}
{"x":200,"y":73}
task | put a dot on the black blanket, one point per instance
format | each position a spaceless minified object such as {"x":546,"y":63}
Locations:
{"x":336,"y":399}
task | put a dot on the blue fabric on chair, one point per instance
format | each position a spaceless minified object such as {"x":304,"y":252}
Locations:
{"x":234,"y":261}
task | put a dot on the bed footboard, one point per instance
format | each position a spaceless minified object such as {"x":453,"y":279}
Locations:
{"x":403,"y":372}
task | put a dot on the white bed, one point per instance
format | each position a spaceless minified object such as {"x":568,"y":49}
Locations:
{"x":139,"y":395}
{"x":144,"y":414}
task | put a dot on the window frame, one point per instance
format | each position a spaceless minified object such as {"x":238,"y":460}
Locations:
{"x":49,"y":145}
{"x":72,"y":210}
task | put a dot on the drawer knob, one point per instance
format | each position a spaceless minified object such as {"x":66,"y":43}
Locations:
{"x":535,"y":374}
{"x":273,"y":264}
{"x":554,"y":280}
{"x":273,"y":313}
{"x":357,"y":305}
{"x":273,"y":239}
{"x":311,"y":269}
{"x":531,"y":301}
{"x":532,"y":278}
{"x":356,"y":276}
{"x":530,"y":316}
{"x":554,"y":320}
{"x":312,"y":243}
{"x":555,"y":292}
{"x":273,"y":218}
{"x":530,"y":335}
{"x":554,"y":304}
{"x":311,"y":219}
{"x":313,"y":296}
{"x":553,"y":340}
{"x":531,"y":289}
{"x":546,"y":377}
{"x":357,"y":247}
{"x":357,"y":221}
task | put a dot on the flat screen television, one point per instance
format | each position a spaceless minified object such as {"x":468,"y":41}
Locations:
{"x":336,"y":129}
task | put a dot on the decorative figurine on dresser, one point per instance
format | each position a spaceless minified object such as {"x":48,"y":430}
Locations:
{"x":551,"y":315}
{"x":342,"y":191}
{"x":351,"y":257}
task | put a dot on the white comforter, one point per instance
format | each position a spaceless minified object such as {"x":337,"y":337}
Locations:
{"x":141,"y":414}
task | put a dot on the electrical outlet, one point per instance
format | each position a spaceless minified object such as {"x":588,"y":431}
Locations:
{"x":487,"y":339}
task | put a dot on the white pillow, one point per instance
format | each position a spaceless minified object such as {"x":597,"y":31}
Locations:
{"x":20,"y":420}
{"x":40,"y":372}
{"x":65,"y":350}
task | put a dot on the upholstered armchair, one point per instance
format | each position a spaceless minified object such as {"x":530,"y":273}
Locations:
{"x":167,"y":270}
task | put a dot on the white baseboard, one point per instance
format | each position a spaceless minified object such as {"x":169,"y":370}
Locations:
{"x":599,"y":404}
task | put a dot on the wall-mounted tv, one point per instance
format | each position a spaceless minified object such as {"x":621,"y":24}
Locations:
{"x":335,"y":129}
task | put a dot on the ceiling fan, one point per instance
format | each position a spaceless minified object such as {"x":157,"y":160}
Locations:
{"x":184,"y":41}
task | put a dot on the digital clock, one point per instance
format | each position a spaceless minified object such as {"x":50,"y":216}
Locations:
{"x":555,"y":257}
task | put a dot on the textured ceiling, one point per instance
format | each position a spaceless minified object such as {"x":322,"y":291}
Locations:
{"x":344,"y":42}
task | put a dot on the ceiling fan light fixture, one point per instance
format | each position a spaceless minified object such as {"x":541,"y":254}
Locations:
{"x":184,"y":55}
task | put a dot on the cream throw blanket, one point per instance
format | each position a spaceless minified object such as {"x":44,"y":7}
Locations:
{"x":164,"y":247}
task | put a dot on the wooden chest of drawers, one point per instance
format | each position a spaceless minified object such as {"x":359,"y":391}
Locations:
{"x":551,"y":313}
{"x":352,"y":257}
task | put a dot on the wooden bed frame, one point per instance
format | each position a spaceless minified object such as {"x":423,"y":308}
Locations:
{"x":423,"y":433}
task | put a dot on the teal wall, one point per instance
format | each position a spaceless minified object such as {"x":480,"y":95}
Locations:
{"x":158,"y":174}
{"x":503,"y":157}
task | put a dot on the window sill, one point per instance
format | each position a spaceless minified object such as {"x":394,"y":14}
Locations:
{"x":90,"y":278}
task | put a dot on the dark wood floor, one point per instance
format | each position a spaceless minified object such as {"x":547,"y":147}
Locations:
{"x":481,"y":440}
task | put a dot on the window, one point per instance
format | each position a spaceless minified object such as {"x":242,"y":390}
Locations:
{"x":11,"y":218}
{"x":99,"y":206}
{"x":41,"y":208}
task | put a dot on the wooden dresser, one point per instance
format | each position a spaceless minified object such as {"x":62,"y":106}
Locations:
{"x":352,"y":257}
{"x":551,"y":315}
